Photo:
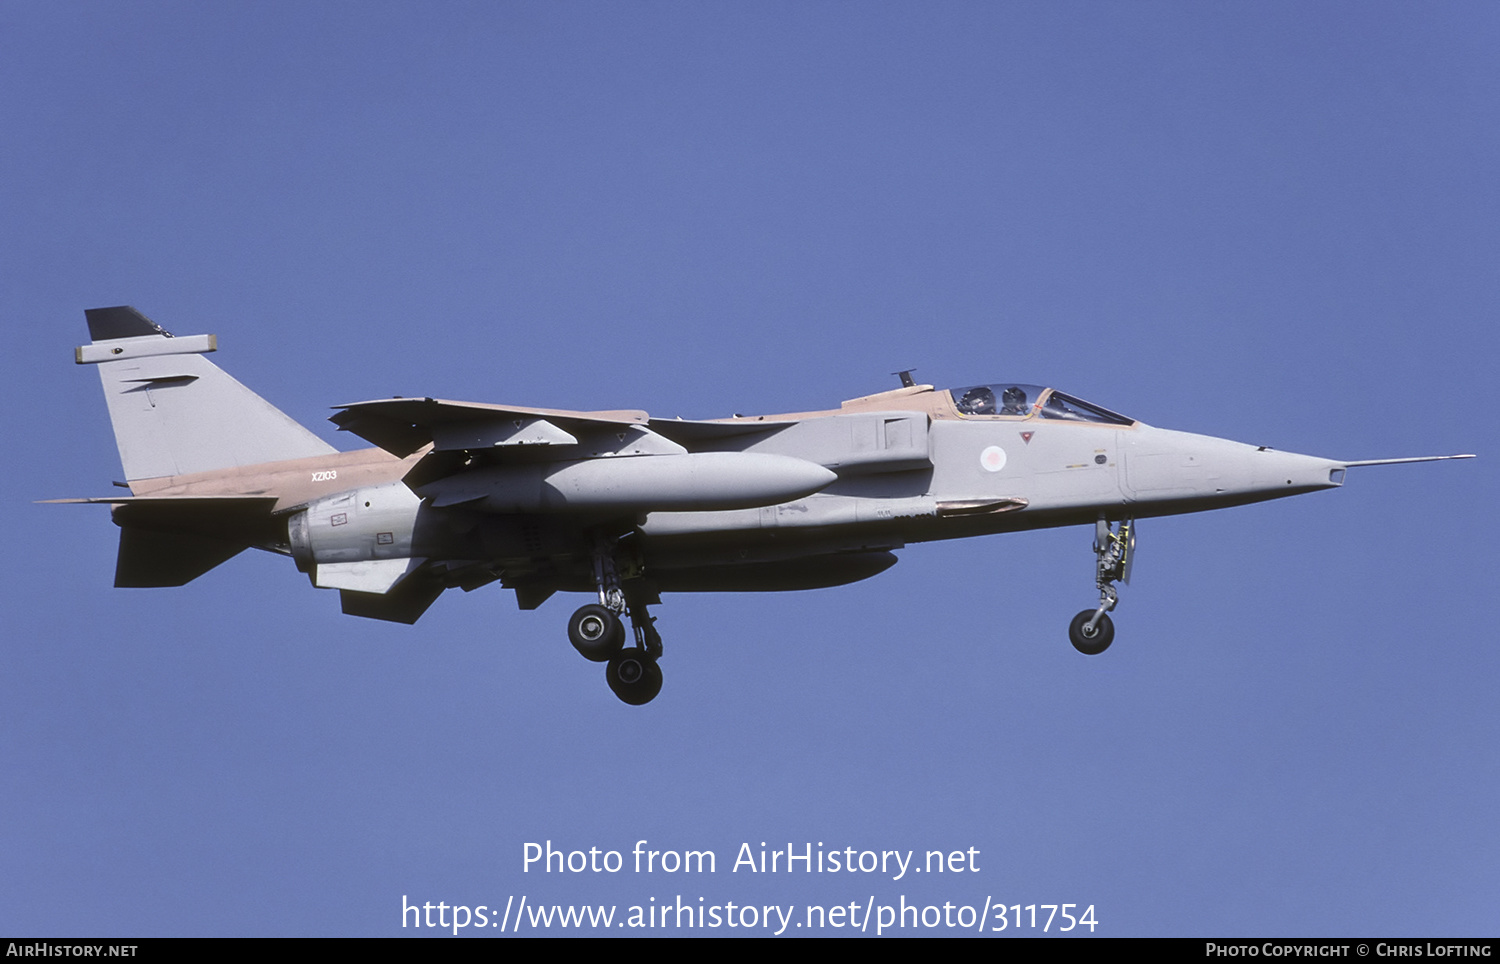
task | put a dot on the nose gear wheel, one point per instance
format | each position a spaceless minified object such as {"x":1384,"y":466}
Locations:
{"x":1092,"y":630}
{"x":1091,"y":642}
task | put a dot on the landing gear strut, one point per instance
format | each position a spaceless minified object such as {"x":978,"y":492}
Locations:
{"x":1092,"y":630}
{"x":598,"y":633}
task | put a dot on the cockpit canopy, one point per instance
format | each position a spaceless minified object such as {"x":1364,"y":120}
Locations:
{"x":1017,"y":400}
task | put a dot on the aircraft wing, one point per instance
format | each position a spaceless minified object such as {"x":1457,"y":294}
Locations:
{"x":695,"y":434}
{"x":401,"y":426}
{"x":465,"y":435}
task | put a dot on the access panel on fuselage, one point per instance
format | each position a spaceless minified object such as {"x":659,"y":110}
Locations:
{"x":1050,"y":464}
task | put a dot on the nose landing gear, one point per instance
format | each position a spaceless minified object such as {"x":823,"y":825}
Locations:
{"x":1092,"y":630}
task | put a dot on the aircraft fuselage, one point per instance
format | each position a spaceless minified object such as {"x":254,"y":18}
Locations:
{"x":462,"y":494}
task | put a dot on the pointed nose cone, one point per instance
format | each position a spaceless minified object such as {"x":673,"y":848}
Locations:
{"x":1286,"y":473}
{"x":1191,"y":472}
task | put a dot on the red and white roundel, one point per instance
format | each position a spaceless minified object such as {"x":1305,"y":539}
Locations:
{"x":992,"y":458}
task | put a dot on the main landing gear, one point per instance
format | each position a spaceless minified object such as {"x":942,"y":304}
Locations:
{"x":598,"y":634}
{"x":1092,"y":630}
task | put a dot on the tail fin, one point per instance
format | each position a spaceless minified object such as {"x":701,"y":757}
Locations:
{"x":175,"y":412}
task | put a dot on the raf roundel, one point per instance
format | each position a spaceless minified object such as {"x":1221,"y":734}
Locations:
{"x":992,"y":458}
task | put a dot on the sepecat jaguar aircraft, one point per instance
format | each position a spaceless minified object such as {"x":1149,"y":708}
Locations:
{"x":617,"y":503}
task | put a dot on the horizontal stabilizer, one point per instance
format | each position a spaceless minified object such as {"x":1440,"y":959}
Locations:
{"x":243,"y":519}
{"x":176,"y":505}
{"x":150,"y":559}
{"x":172,"y":541}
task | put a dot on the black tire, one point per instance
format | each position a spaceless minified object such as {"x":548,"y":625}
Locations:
{"x":596,"y":633}
{"x":1091,"y":644}
{"x":634,"y":676}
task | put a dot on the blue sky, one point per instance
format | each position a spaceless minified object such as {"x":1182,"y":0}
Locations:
{"x":1271,"y":222}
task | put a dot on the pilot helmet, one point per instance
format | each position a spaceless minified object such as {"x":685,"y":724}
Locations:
{"x":978,"y":401}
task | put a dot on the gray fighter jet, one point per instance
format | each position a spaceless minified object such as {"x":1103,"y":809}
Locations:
{"x":462,"y":494}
